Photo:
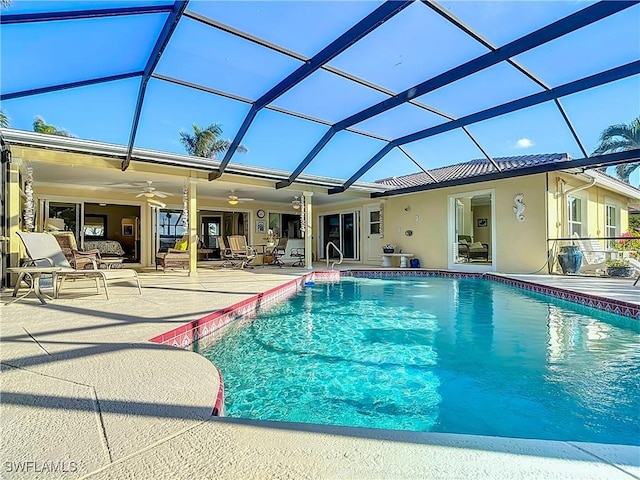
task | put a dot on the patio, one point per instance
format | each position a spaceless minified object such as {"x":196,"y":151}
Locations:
{"x":107,"y":403}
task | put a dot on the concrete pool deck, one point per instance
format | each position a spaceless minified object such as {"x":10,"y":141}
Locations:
{"x":84,"y":394}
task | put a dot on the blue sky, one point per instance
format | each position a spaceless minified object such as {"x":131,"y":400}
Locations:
{"x":415,"y":45}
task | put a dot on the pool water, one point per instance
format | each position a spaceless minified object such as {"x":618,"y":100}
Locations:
{"x":436,"y":354}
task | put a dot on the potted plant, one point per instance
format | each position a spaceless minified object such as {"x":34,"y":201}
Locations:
{"x":388,"y":248}
{"x":619,"y":268}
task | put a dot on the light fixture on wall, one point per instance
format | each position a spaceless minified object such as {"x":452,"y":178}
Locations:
{"x":296,"y":203}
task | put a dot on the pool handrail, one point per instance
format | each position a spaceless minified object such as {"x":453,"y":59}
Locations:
{"x":331,"y":244}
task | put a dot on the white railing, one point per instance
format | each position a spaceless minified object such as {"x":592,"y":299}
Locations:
{"x":331,"y":244}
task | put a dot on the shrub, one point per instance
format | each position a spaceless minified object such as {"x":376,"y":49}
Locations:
{"x":631,"y":244}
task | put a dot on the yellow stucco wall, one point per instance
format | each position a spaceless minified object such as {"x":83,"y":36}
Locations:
{"x":596,"y":196}
{"x":518,"y":246}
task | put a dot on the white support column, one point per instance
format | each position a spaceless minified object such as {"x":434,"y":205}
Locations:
{"x":193,"y":228}
{"x":308,"y":237}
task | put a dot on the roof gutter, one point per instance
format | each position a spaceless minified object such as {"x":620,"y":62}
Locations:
{"x":576,"y":189}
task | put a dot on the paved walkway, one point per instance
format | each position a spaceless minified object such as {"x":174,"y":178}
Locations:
{"x":85,"y":395}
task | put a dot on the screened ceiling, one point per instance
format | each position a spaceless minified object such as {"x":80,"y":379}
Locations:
{"x":355,"y":90}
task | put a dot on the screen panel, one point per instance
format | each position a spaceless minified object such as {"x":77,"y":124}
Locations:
{"x":210,"y":57}
{"x":169,"y":109}
{"x":46,"y":54}
{"x":302,"y":27}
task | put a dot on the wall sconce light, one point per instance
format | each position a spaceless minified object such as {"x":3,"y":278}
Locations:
{"x":296,"y":203}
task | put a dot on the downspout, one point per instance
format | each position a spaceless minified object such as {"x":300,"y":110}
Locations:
{"x":563,"y":197}
{"x":582,"y":187}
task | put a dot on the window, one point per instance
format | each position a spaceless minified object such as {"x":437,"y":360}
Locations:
{"x":612,"y":223}
{"x":285,"y":225}
{"x":374,"y":222}
{"x":95,"y":227}
{"x":575,"y":206}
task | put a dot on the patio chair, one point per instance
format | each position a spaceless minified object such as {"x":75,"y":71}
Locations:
{"x":77,"y":259}
{"x":241,"y":251}
{"x":470,"y":250}
{"x":178,"y":256}
{"x":226,"y":254}
{"x":43,"y":249}
{"x":278,"y":251}
{"x":299,"y":254}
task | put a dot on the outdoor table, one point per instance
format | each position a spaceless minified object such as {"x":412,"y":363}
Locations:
{"x":33,"y":274}
{"x":262,"y":252}
{"x":113,"y":262}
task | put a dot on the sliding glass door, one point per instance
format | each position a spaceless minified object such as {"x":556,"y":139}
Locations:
{"x":65,"y":216}
{"x":342,"y":229}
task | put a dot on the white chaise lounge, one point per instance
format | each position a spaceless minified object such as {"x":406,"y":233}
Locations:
{"x":44,"y":249}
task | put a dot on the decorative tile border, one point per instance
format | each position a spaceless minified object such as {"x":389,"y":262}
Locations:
{"x":403,"y":272}
{"x":185,"y":335}
{"x":611,"y":305}
{"x":328,"y":276}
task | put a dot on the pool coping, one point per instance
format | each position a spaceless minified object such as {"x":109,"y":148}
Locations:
{"x":191,"y":335}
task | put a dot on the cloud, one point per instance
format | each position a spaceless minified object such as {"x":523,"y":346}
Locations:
{"x":524,"y":143}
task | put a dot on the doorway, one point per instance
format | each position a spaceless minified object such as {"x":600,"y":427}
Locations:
{"x":342,"y":229}
{"x":210,"y":229}
{"x":472,"y":231}
{"x":373,"y":240}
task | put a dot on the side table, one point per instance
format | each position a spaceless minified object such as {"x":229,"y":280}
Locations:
{"x":33,"y":274}
{"x":111,"y":262}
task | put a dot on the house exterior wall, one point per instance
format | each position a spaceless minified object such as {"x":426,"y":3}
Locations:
{"x":596,"y":196}
{"x":520,"y":247}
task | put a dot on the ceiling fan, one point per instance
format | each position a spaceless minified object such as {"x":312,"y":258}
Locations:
{"x":150,"y":191}
{"x":233,"y":199}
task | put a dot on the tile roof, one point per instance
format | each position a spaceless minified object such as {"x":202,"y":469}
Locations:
{"x":473,"y":168}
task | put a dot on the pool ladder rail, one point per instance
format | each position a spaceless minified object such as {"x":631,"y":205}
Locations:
{"x":331,"y":244}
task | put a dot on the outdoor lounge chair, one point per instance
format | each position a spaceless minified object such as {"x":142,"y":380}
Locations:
{"x":241,"y":251}
{"x":43,"y":249}
{"x":593,"y":255}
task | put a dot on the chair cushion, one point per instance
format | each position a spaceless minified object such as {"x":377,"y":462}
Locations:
{"x":182,"y":244}
{"x":476,"y":246}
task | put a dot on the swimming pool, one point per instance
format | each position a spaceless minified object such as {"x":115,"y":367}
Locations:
{"x":436,"y":354}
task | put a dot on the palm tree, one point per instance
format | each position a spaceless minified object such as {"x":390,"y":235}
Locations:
{"x":619,"y":138}
{"x":207,"y":143}
{"x":40,"y":126}
{"x":4,"y":120}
